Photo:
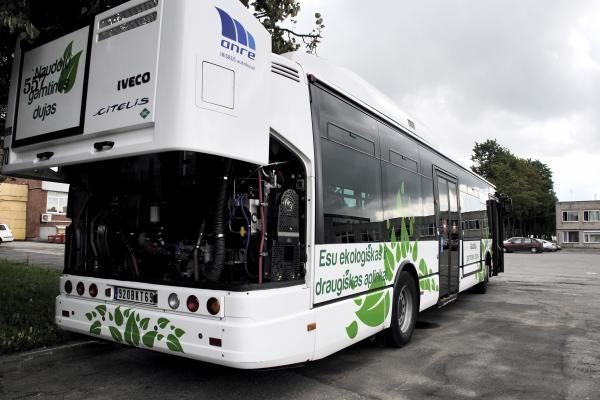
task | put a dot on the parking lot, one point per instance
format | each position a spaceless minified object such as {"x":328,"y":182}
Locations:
{"x":534,"y":335}
{"x":38,"y":253}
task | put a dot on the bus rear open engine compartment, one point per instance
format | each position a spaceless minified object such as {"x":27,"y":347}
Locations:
{"x":189,"y":219}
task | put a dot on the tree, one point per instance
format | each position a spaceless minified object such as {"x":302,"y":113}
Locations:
{"x":527,"y":182}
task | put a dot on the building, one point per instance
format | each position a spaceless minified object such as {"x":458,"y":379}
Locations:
{"x":34,"y":209}
{"x":578,"y":224}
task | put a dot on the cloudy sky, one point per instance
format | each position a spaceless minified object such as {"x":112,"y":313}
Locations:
{"x":526,"y":73}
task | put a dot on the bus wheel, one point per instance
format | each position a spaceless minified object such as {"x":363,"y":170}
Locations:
{"x":404,"y":311}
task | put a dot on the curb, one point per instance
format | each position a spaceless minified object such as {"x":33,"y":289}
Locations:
{"x":45,"y":357}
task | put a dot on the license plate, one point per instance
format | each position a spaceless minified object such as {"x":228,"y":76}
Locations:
{"x":135,"y":295}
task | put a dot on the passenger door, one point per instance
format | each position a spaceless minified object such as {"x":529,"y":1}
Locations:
{"x":448,"y":227}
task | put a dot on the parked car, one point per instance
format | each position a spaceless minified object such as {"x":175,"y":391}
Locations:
{"x":549,"y":246}
{"x":5,"y":234}
{"x":523,"y":244}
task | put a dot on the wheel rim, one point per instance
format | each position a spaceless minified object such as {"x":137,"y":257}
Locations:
{"x":405,"y":305}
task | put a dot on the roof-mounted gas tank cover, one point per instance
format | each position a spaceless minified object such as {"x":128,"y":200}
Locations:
{"x":147,"y":76}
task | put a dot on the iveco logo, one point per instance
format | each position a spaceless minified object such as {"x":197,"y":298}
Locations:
{"x":236,"y":38}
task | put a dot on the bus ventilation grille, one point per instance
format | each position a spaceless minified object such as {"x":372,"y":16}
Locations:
{"x":126,"y":16}
{"x":285,"y":71}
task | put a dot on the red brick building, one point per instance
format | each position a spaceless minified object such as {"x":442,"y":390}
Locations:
{"x":46,"y":207}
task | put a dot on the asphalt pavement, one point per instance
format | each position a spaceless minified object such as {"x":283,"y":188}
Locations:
{"x":38,"y":253}
{"x":534,"y":335}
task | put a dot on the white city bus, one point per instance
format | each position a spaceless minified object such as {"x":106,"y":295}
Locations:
{"x":234,"y":206}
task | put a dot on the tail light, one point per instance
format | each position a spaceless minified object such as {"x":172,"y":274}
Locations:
{"x":80,"y":288}
{"x":213,"y":306}
{"x":93,"y":290}
{"x":192,"y":303}
{"x":68,"y":287}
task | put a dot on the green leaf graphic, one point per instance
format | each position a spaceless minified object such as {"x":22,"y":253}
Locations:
{"x":375,"y":308}
{"x":118,"y":316}
{"x":110,"y":316}
{"x":148,"y":338}
{"x":88,"y":316}
{"x":96,"y":328}
{"x":352,"y":330}
{"x":423,"y":267}
{"x":173,"y":343}
{"x":162,"y":323}
{"x":415,"y":252}
{"x":101,"y":310}
{"x":126,"y":313}
{"x":116,"y":334}
{"x":132,"y":333}
{"x":160,"y":337}
{"x":144,"y":323}
{"x":137,"y":317}
{"x":389,"y":263}
{"x":68,"y":51}
{"x":68,"y":75}
{"x":179,"y":332}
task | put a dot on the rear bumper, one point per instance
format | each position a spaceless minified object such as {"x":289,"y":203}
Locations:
{"x":245,"y":344}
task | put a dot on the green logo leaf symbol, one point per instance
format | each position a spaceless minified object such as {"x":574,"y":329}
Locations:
{"x":68,"y":75}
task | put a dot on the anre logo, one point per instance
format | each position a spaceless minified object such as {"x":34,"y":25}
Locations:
{"x":235,"y":37}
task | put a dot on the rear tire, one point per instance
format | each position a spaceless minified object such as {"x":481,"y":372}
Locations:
{"x":404,"y":311}
{"x":534,"y":250}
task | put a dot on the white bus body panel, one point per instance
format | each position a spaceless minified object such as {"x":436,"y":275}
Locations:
{"x":194,"y":89}
{"x":258,"y":329}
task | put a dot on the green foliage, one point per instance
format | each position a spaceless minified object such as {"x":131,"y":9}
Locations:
{"x":27,"y":296}
{"x":275,"y":13}
{"x":527,"y":182}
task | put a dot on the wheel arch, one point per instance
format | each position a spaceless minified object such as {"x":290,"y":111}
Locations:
{"x":409,"y":267}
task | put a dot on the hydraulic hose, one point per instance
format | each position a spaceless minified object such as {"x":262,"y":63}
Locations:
{"x":214,"y":274}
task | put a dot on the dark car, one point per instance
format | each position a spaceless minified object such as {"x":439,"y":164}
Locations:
{"x":523,"y":244}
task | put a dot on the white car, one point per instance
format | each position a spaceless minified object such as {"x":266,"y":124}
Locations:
{"x":549,"y":246}
{"x":5,"y":234}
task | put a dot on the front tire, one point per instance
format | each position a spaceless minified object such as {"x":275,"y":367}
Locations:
{"x":404,"y":311}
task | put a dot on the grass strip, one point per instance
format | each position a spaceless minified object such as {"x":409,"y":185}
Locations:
{"x":27,"y":296}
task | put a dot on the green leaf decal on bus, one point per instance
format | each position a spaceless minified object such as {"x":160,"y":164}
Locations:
{"x":163,"y":322}
{"x":148,"y":338}
{"x":68,"y":75}
{"x":96,"y":328}
{"x":173,"y":343}
{"x":352,"y":330}
{"x":132,"y":332}
{"x":101,"y":310}
{"x":118,"y":316}
{"x":374,"y":308}
{"x":138,"y":330}
{"x":116,"y":334}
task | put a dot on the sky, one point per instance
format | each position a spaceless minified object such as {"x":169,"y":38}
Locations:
{"x":526,"y":73}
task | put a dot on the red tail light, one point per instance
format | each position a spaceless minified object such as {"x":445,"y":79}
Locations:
{"x":80,"y":288}
{"x":93,"y":290}
{"x":192,"y":303}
